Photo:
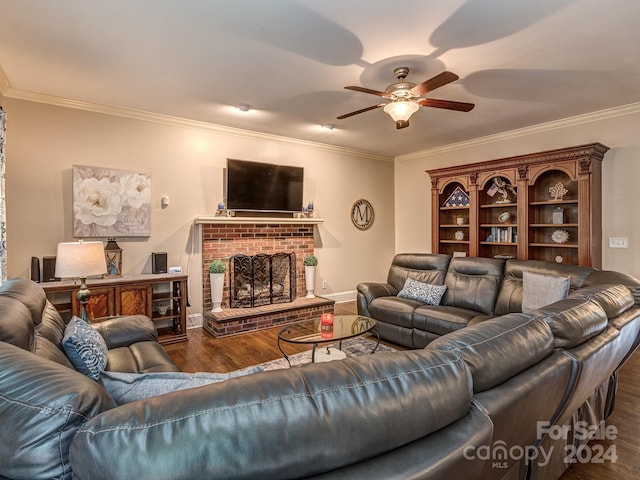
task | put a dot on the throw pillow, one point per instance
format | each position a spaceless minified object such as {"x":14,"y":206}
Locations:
{"x":424,"y":292}
{"x":85,"y":348}
{"x":129,"y":387}
{"x":541,"y":290}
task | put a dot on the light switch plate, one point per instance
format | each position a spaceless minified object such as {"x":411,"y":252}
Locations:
{"x":618,"y":242}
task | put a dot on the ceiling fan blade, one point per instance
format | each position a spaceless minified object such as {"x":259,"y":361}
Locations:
{"x":368,"y":90}
{"x":438,"y":81}
{"x":360,"y":111}
{"x":446,"y":104}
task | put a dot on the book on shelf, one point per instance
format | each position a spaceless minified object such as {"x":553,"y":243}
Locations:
{"x":503,"y":235}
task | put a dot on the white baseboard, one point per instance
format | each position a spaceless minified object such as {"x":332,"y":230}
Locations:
{"x":341,"y":297}
{"x":194,"y":320}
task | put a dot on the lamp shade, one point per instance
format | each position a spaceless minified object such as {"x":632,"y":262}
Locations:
{"x":80,"y":259}
{"x":401,"y":110}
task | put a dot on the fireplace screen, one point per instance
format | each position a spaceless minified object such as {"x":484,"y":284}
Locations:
{"x":262,"y":279}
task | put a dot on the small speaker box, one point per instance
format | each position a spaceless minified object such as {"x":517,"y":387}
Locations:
{"x":35,"y":269}
{"x":49,"y":269}
{"x":159,"y":262}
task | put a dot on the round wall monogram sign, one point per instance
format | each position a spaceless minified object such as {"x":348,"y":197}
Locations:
{"x":362,"y":214}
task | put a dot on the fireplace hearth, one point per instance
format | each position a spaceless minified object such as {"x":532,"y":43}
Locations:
{"x":262,"y":279}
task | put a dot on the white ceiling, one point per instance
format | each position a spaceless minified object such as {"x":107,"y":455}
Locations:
{"x":522,"y":62}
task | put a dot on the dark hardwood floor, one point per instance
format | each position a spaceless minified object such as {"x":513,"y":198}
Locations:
{"x":208,"y":354}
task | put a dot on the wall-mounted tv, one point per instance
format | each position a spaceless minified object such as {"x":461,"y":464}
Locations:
{"x":256,"y":186}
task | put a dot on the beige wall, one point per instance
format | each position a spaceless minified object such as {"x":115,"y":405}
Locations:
{"x":618,"y":129}
{"x":186,"y":163}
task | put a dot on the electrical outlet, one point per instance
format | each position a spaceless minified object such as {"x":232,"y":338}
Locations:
{"x":324,"y":284}
{"x":618,"y":242}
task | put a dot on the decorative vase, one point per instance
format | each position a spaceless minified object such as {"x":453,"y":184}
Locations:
{"x":310,"y":278}
{"x":217,"y":286}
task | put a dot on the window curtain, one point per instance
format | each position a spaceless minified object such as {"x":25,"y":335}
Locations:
{"x":3,"y":221}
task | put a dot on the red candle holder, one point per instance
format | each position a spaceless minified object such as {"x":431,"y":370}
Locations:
{"x":326,"y":325}
{"x":326,"y":319}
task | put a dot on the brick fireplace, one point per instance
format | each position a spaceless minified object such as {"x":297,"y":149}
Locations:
{"x":224,"y":237}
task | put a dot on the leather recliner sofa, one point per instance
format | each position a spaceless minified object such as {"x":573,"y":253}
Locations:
{"x":424,"y":413}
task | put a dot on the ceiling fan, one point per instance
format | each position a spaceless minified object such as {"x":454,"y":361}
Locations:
{"x":405,"y":97}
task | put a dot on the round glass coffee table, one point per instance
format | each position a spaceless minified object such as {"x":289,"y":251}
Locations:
{"x":316,"y":331}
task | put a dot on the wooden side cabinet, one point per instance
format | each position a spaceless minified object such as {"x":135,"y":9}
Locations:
{"x":541,"y":206}
{"x":160,"y":297}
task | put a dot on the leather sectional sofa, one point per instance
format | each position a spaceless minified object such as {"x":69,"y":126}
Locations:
{"x":477,"y":402}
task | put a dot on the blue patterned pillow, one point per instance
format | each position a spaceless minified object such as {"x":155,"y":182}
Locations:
{"x":425,"y":292}
{"x":85,"y":348}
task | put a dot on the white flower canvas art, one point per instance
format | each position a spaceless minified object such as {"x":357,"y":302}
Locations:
{"x":110,"y":203}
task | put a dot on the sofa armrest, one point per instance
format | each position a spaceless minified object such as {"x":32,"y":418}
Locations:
{"x":372,"y":290}
{"x":127,"y":330}
{"x":367,"y":292}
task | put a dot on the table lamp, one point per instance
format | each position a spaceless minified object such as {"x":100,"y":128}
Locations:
{"x":81,"y":260}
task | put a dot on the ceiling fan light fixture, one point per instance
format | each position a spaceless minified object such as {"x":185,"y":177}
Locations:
{"x":243,"y":107}
{"x":401,"y":110}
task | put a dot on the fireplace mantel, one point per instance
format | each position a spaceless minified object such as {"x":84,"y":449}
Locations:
{"x":219,"y":219}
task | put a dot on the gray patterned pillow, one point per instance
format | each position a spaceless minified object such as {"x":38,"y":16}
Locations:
{"x":424,"y":292}
{"x":85,"y":348}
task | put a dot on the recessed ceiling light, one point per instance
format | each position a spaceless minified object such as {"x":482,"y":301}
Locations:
{"x":243,"y":107}
{"x":328,"y":126}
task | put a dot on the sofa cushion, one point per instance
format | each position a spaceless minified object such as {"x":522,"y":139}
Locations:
{"x":129,"y":387}
{"x":540,"y":290}
{"x":510,"y":295}
{"x":394,"y":310}
{"x":500,"y":348}
{"x":614,"y":299}
{"x":289,"y":423}
{"x":425,"y":268}
{"x":573,"y":321}
{"x":42,"y":405}
{"x":27,"y":292}
{"x":424,"y":292}
{"x":85,"y":348}
{"x":19,"y":331}
{"x":140,"y":357}
{"x":442,"y":319}
{"x":472,"y":283}
{"x":609,"y":277}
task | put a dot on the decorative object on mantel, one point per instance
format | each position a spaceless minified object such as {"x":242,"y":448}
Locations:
{"x":560,"y":236}
{"x":558,"y":191}
{"x":460,"y":220}
{"x":310,"y":264}
{"x":458,"y":198}
{"x":113,"y":255}
{"x":459,"y":235}
{"x":81,"y":260}
{"x":216,"y":277}
{"x":362,"y":214}
{"x":109,"y":202}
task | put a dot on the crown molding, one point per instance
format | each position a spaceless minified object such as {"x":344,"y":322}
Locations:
{"x":184,"y":122}
{"x":630,"y":109}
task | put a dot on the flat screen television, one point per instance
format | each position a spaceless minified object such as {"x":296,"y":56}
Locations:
{"x":265,"y":187}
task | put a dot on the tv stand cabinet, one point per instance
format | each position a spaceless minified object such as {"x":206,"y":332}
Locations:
{"x":161,"y":297}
